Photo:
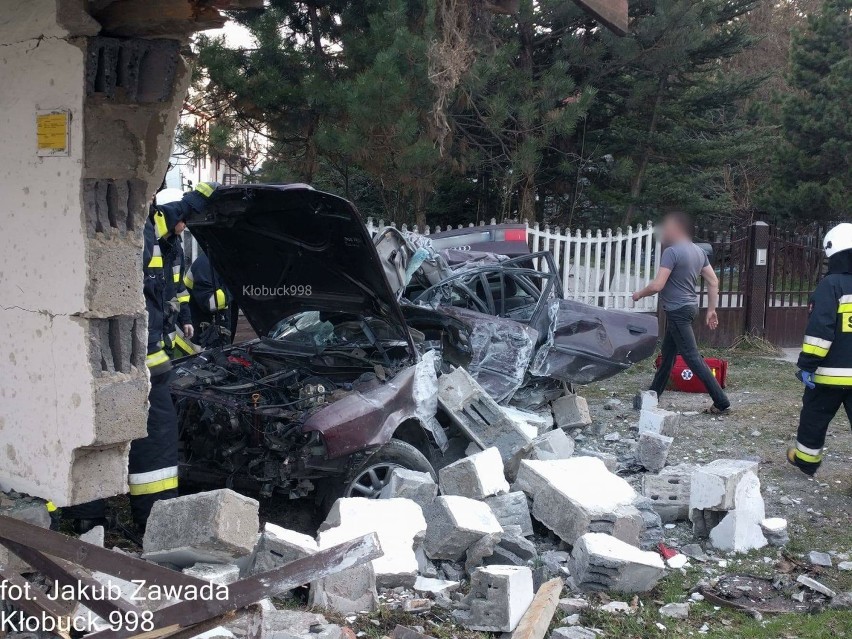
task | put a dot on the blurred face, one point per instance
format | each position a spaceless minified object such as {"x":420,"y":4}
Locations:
{"x":670,"y":231}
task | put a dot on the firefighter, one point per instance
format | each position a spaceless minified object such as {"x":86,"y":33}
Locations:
{"x":210,"y":304}
{"x":177,"y":328}
{"x":825,"y":363}
{"x":153,"y":463}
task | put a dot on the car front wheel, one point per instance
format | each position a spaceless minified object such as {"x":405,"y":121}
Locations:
{"x":372,"y":476}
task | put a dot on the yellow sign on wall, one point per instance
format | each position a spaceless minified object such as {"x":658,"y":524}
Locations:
{"x":52,"y":132}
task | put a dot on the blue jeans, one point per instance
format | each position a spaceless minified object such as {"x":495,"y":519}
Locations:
{"x":680,"y":338}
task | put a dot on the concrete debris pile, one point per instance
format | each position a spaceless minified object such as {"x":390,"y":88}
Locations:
{"x":493,"y":542}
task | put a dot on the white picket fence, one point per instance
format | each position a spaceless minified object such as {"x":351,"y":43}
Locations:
{"x":602,"y":268}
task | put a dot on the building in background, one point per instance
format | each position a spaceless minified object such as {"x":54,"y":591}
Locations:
{"x":204,"y":151}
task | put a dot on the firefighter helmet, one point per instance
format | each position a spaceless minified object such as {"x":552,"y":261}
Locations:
{"x":838,"y":239}
{"x":197,"y":198}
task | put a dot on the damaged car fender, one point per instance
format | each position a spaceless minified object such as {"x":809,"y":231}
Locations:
{"x":370,"y":418}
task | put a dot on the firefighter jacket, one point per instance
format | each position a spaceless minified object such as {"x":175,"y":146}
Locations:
{"x":208,"y":295}
{"x":827,"y":348}
{"x":162,"y":251}
{"x":178,"y":295}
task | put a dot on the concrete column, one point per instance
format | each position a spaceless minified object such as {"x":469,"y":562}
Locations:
{"x":757,"y":281}
{"x":73,"y":385}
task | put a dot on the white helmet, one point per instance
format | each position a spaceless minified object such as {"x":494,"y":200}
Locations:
{"x":838,"y":239}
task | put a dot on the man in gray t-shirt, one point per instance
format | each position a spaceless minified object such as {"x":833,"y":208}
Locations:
{"x":680,"y":265}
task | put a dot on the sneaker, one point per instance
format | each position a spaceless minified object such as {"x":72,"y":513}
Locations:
{"x":807,"y":467}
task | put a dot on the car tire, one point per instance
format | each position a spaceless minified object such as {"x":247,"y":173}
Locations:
{"x":371,"y":476}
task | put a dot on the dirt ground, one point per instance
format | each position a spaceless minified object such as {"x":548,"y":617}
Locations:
{"x":765,"y":398}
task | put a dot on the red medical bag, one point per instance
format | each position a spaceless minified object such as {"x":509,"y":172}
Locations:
{"x":685,"y":381}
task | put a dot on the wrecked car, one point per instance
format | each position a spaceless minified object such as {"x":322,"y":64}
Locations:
{"x":340,"y":387}
{"x":333,"y":394}
{"x":524,"y":340}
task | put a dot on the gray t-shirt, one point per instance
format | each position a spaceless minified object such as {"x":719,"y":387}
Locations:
{"x":686,"y":261}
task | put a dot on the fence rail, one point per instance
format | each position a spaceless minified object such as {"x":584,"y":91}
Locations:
{"x":602,"y":268}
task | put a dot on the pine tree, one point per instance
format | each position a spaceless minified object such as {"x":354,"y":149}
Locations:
{"x":813,"y":163}
{"x":665,"y":122}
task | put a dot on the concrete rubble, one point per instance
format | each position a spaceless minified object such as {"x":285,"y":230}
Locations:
{"x":455,"y":523}
{"x":726,"y":505}
{"x":512,"y":509}
{"x":477,"y":476}
{"x":553,"y":444}
{"x":350,"y":591}
{"x":740,"y":529}
{"x":32,"y":511}
{"x":601,"y":562}
{"x":399,"y":524}
{"x":571,"y":411}
{"x":573,"y":632}
{"x":658,"y":421}
{"x":215,"y":573}
{"x":411,"y":484}
{"x":498,"y":598}
{"x":600,"y":502}
{"x":645,"y":400}
{"x":653,"y":450}
{"x":279,"y":546}
{"x":286,"y":624}
{"x":478,"y":415}
{"x":775,"y":531}
{"x":669,"y":491}
{"x":219,"y":526}
{"x":542,"y":421}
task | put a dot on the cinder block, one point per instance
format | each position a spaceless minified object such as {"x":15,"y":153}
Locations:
{"x":571,"y":411}
{"x":455,"y":524}
{"x":399,"y":524}
{"x":645,"y":400}
{"x":477,"y":414}
{"x":653,"y":450}
{"x":659,"y":421}
{"x":603,"y":563}
{"x":578,"y":495}
{"x":499,"y":596}
{"x":269,"y":623}
{"x":512,"y":509}
{"x":278,"y":546}
{"x":669,"y":491}
{"x":219,"y":526}
{"x":411,"y":484}
{"x":740,"y":530}
{"x":347,"y":592}
{"x":477,"y":476}
{"x":713,"y":486}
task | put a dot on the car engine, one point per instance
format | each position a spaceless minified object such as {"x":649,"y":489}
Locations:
{"x":240,"y":412}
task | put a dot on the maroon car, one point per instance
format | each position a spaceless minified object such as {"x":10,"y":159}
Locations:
{"x":340,"y":386}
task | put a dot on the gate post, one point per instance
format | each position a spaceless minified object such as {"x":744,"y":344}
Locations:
{"x":757,"y":279}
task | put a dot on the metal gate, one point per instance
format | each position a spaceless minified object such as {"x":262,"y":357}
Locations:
{"x":730,"y":260}
{"x":795,"y":263}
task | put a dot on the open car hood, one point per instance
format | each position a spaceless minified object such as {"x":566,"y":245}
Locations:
{"x":285,"y":249}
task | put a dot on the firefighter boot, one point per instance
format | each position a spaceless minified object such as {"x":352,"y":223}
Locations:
{"x":807,"y":466}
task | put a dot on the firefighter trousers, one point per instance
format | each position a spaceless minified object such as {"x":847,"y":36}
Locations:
{"x":819,"y":406}
{"x":153,"y":463}
{"x":153,"y":460}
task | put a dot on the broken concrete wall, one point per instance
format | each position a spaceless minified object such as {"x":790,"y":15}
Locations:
{"x":74,"y":382}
